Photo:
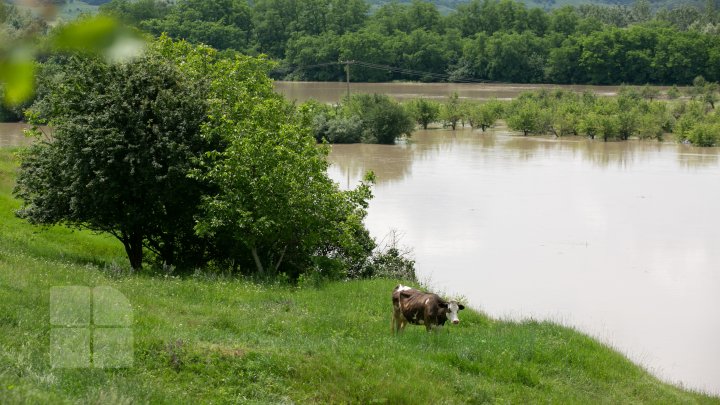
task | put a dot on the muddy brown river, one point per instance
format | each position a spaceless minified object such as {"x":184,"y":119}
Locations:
{"x":332,"y":92}
{"x":619,"y":240}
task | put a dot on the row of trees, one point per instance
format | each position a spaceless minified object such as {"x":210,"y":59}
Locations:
{"x":639,"y":112}
{"x":633,"y":113}
{"x":497,"y":40}
{"x":194,"y":158}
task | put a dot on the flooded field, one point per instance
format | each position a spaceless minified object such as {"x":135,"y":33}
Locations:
{"x":332,"y":92}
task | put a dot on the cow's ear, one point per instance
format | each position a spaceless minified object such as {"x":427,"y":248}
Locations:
{"x":443,"y":304}
{"x":461,"y":306}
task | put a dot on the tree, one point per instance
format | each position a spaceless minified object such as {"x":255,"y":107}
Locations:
{"x":222,"y":24}
{"x":451,"y":111}
{"x":485,"y":115}
{"x":134,"y":12}
{"x":424,"y":111}
{"x":384,"y":120}
{"x":527,"y":116}
{"x":125,"y":138}
{"x":275,"y":209}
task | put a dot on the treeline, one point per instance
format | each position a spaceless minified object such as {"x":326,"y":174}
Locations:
{"x":642,"y":113}
{"x":495,"y":40}
{"x":631,"y":114}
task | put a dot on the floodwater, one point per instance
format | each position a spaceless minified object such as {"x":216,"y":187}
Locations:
{"x":619,"y":240}
{"x":332,"y":92}
{"x":11,"y":134}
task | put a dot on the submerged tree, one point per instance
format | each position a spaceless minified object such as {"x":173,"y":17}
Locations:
{"x":424,"y":111}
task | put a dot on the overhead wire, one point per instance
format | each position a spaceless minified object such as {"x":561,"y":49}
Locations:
{"x":404,"y":71}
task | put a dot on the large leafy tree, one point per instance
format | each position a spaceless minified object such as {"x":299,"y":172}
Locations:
{"x":124,"y":139}
{"x":275,"y":210}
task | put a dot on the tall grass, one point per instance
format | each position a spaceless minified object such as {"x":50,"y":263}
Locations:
{"x":225,"y":340}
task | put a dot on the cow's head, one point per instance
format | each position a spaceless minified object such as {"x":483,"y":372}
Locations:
{"x":451,"y":311}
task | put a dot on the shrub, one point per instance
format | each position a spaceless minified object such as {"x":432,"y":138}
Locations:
{"x":704,"y":134}
{"x":383,"y":119}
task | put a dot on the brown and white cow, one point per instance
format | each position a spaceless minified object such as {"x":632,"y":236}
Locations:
{"x":421,"y":308}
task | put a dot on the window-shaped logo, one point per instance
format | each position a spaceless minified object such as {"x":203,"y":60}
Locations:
{"x":91,"y":327}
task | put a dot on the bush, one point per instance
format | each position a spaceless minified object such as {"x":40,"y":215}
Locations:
{"x":338,"y":129}
{"x":705,"y":134}
{"x":383,"y":119}
{"x":389,"y":261}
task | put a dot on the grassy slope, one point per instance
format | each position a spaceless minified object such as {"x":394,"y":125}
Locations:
{"x":229,"y":340}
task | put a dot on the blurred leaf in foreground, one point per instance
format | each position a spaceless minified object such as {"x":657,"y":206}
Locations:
{"x":17,"y":74}
{"x":100,"y":35}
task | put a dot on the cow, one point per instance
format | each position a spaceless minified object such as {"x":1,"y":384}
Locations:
{"x":421,"y":308}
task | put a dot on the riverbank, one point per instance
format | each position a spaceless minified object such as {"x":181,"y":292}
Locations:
{"x":215,"y":339}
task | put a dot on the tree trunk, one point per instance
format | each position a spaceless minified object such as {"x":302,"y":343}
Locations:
{"x":134,"y":249}
{"x":258,"y":263}
{"x":282,"y":255}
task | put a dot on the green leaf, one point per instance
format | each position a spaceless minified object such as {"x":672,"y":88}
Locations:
{"x":17,"y":73}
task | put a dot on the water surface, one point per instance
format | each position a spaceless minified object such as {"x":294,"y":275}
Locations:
{"x":11,"y":134}
{"x":620,"y":240}
{"x":332,"y":92}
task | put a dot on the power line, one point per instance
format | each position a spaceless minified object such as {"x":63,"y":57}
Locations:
{"x":403,"y":71}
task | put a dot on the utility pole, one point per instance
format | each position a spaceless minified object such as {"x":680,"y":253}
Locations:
{"x":347,"y":76}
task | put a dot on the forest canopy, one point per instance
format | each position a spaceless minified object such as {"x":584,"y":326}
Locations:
{"x":483,"y":40}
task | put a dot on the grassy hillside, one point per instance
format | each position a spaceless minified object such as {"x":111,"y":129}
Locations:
{"x":219,"y":340}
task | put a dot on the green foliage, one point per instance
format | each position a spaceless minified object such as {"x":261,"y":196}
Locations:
{"x":384,"y":120}
{"x":705,"y":134}
{"x":222,"y":24}
{"x":124,"y":140}
{"x":134,"y":12}
{"x":501,"y":40}
{"x":451,"y":112}
{"x":274,"y":210}
{"x":567,"y":118}
{"x":363,"y":118}
{"x":424,"y":111}
{"x":484,"y":115}
{"x":673,"y":93}
{"x":619,"y":118}
{"x":527,"y":116}
{"x":338,"y":129}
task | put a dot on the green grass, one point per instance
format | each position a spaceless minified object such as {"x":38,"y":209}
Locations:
{"x":220,"y":340}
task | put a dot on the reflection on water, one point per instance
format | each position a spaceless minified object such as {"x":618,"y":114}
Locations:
{"x":617,"y":239}
{"x":393,"y":163}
